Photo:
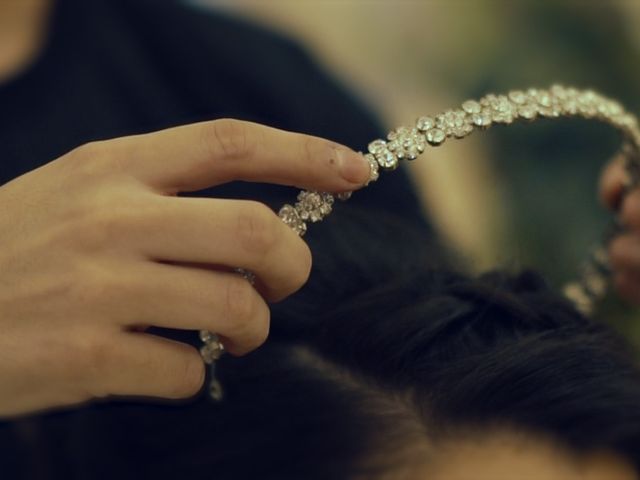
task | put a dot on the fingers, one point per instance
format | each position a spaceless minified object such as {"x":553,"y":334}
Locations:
{"x":179,"y":297}
{"x":624,"y":255}
{"x":231,"y":233}
{"x":624,"y":250}
{"x":612,"y":183}
{"x":137,"y":364}
{"x":193,"y":157}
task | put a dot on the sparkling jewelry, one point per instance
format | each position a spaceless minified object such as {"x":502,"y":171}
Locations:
{"x":407,"y":143}
{"x":213,"y":348}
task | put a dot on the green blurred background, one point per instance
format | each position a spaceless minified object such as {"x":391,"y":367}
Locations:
{"x":522,"y":196}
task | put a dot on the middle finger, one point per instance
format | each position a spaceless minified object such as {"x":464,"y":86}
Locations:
{"x":229,"y":233}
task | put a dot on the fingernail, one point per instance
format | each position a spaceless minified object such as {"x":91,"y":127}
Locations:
{"x":353,"y":167}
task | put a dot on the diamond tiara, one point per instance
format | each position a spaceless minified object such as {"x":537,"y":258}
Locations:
{"x":407,"y":143}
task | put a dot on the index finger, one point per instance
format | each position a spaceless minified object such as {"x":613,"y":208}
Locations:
{"x":200,"y":155}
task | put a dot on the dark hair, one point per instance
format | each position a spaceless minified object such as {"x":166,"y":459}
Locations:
{"x":385,"y":343}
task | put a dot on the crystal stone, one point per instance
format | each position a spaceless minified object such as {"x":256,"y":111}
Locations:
{"x":206,"y":336}
{"x":548,"y":105}
{"x":377,"y":146}
{"x":488,"y":100}
{"x":435,"y":136}
{"x":246,"y":274}
{"x":386,"y":159}
{"x":482,"y":119}
{"x":314,"y":206}
{"x":211,"y":351}
{"x":215,"y":390}
{"x":471,"y":106}
{"x":527,"y":111}
{"x":577,"y":294}
{"x":406,"y":143}
{"x":558,"y":91}
{"x":503,"y":110}
{"x":518,"y":97}
{"x":425,"y":123}
{"x":587,"y":104}
{"x":374,"y":172}
{"x":460,"y":127}
{"x":291,"y":217}
{"x":544,"y":99}
{"x":569,"y":106}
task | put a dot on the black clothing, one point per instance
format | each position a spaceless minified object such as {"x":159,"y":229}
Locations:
{"x":120,"y":67}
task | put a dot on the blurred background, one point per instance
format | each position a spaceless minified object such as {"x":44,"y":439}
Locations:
{"x":516,"y":197}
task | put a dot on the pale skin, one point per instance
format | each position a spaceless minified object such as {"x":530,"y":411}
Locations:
{"x":96,"y":245}
{"x":508,"y":455}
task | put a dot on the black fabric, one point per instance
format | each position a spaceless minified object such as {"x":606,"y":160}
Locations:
{"x":119,"y":67}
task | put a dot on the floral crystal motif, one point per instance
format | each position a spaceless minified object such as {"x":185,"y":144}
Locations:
{"x":314,"y":206}
{"x":374,"y":171}
{"x":407,"y":143}
{"x":289,"y":215}
{"x":212,"y":349}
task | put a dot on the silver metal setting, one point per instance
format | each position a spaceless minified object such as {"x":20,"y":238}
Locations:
{"x":407,"y":143}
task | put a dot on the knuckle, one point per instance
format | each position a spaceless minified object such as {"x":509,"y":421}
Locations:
{"x":96,"y":287}
{"x":254,"y":334}
{"x":107,"y":224}
{"x":315,"y":152}
{"x":249,"y":319}
{"x":98,"y":160}
{"x":89,"y":151}
{"x":228,"y":138}
{"x":90,"y":359}
{"x":239,"y":304}
{"x":189,"y":377}
{"x":308,"y":148}
{"x":96,"y":217}
{"x":257,"y":229}
{"x":312,"y":148}
{"x":103,"y":222}
{"x":95,"y":230}
{"x":87,"y":159}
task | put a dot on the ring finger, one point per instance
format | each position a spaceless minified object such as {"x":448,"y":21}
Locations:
{"x":229,"y":233}
{"x":174,"y":296}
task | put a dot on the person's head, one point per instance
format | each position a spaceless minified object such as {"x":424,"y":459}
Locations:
{"x":387,"y":366}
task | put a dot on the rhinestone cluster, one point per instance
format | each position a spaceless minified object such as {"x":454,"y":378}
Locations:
{"x":310,"y":207}
{"x":493,"y":109}
{"x":211,"y":351}
{"x":212,"y":348}
{"x":407,"y":143}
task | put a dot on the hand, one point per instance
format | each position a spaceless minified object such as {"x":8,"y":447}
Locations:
{"x":624,"y":250}
{"x":95,"y":245}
